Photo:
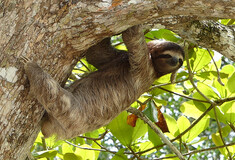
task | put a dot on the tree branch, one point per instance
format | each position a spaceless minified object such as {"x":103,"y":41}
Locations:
{"x":208,"y":34}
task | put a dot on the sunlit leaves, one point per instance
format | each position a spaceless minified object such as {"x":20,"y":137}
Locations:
{"x":145,"y":146}
{"x":199,"y":60}
{"x":71,"y":156}
{"x":229,"y":111}
{"x":183,"y":123}
{"x":151,"y":112}
{"x":198,"y":128}
{"x":172,"y":125}
{"x":179,"y":126}
{"x":163,"y":34}
{"x":207,"y":91}
{"x":216,"y":137}
{"x":45,"y":154}
{"x":189,"y":108}
{"x":230,"y":83}
{"x":227,"y":21}
{"x":124,"y":132}
{"x":84,"y":153}
{"x":153,"y":137}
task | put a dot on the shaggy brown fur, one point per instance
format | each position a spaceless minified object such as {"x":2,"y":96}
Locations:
{"x":95,"y":100}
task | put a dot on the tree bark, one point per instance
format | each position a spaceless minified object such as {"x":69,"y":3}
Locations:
{"x":55,"y":35}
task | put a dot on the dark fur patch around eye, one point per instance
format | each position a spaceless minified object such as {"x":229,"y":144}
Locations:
{"x":171,"y":47}
{"x":164,"y":56}
{"x":180,"y":61}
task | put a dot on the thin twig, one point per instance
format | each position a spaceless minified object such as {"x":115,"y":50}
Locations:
{"x":133,"y":152}
{"x":191,"y":75}
{"x":183,"y":95}
{"x":105,"y":148}
{"x":220,"y":133}
{"x":85,"y":65}
{"x":78,"y":69}
{"x":95,"y":139}
{"x":165,"y":84}
{"x":158,"y":131}
{"x":218,"y":73}
{"x":231,"y":126}
{"x":198,"y":151}
{"x":86,"y":148}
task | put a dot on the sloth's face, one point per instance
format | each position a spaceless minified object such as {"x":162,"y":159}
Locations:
{"x":167,"y":57}
{"x":168,"y":61}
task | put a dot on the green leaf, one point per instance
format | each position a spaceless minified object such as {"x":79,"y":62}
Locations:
{"x":218,"y":142}
{"x":121,"y":130}
{"x":163,"y":34}
{"x":66,"y":148}
{"x":47,"y":154}
{"x":139,"y":130}
{"x":145,"y":146}
{"x":92,"y":134}
{"x":202,"y":58}
{"x":219,"y":114}
{"x":160,"y":102}
{"x":124,"y":132}
{"x":198,"y":128}
{"x":224,"y":21}
{"x":96,"y":146}
{"x":211,"y":75}
{"x":88,"y":65}
{"x":226,"y":130}
{"x":230,"y":83}
{"x":221,"y":89}
{"x":190,"y":109}
{"x":172,"y":125}
{"x":39,"y":138}
{"x":207,"y":91}
{"x":52,"y":142}
{"x":153,"y":137}
{"x":164,"y":79}
{"x":120,"y":155}
{"x":228,"y":69}
{"x":72,"y":156}
{"x":228,"y":109}
{"x":227,"y":21}
{"x":183,"y":123}
{"x":121,"y":47}
{"x":84,"y":153}
{"x":151,"y":112}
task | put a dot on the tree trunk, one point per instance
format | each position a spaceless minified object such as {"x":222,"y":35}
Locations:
{"x":55,"y":34}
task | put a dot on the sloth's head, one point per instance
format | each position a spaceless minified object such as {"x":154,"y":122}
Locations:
{"x":167,"y":57}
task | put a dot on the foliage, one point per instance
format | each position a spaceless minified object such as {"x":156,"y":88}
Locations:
{"x":201,"y":124}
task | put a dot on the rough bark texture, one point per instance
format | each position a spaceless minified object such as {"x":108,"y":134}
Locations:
{"x":55,"y":34}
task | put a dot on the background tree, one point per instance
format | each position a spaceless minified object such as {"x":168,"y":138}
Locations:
{"x":55,"y":34}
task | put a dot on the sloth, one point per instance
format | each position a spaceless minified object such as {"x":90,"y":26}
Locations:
{"x":93,"y":101}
